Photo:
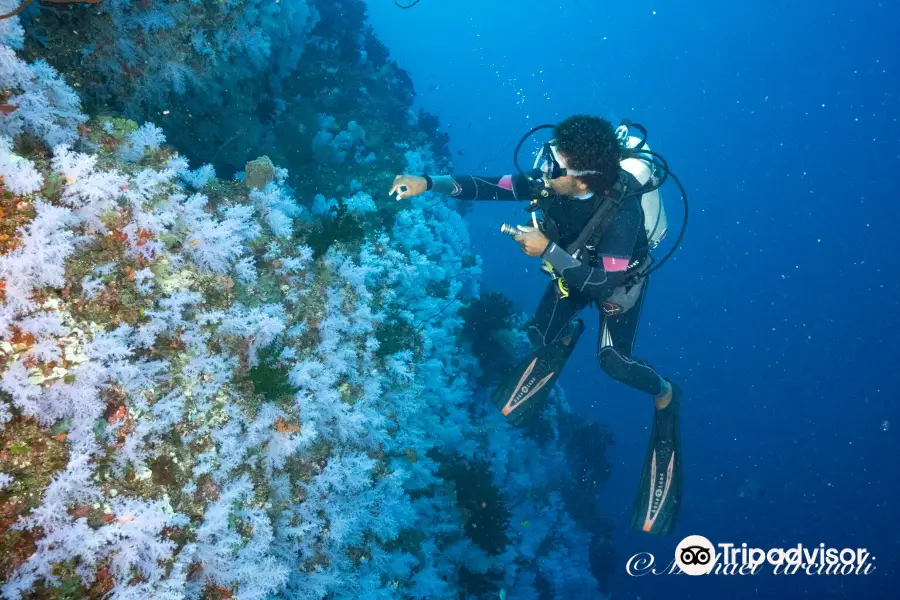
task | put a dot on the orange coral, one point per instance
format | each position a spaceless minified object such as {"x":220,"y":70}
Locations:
{"x":284,"y":427}
{"x":20,"y":337}
{"x":104,"y":583}
{"x":143,"y":237}
{"x":120,"y":414}
{"x":217,"y":592}
{"x":119,"y":236}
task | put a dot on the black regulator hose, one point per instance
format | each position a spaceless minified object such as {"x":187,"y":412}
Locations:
{"x":519,"y":147}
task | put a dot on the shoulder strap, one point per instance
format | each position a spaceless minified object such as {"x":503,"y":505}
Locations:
{"x":599,"y":223}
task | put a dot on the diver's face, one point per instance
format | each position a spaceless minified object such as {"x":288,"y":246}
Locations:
{"x":568,"y":185}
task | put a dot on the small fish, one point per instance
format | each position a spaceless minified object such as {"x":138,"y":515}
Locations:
{"x":8,"y":109}
{"x":525,"y":524}
{"x":503,"y":594}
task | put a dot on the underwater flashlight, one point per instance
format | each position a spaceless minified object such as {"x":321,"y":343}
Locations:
{"x":509,"y":230}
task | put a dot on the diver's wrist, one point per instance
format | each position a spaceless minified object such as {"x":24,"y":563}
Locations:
{"x":548,"y":249}
{"x":428,"y":182}
{"x":558,"y":258}
{"x":445,"y":185}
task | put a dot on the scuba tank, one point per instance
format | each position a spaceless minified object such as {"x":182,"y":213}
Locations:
{"x":641,"y":167}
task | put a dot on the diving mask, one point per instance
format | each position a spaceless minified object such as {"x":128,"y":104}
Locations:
{"x":553,"y":166}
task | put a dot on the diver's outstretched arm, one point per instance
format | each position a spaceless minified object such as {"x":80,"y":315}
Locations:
{"x":463,"y":187}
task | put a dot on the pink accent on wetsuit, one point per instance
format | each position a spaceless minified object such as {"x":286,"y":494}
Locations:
{"x":506,"y":182}
{"x":612,"y":264}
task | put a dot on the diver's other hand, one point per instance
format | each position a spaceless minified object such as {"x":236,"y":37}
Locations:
{"x":531,"y":240}
{"x":407,"y":186}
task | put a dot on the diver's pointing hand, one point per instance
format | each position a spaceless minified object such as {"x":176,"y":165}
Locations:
{"x":407,"y":186}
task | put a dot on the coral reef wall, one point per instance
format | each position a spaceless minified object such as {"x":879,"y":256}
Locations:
{"x":257,"y":384}
{"x":306,"y":83}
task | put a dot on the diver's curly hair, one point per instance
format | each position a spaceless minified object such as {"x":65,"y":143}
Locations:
{"x":590,"y":144}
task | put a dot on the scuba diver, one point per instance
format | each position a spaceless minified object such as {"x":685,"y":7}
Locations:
{"x":596,"y":188}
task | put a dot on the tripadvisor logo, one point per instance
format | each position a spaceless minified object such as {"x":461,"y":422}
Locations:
{"x":696,"y":555}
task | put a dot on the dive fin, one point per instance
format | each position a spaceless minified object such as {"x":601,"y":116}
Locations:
{"x":659,"y":496}
{"x":523,"y":393}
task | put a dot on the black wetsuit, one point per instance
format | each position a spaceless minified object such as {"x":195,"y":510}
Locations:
{"x":595,"y":280}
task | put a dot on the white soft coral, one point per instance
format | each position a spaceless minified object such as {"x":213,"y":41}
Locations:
{"x":19,"y":175}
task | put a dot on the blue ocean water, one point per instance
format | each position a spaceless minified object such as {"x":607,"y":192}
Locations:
{"x":778,"y":315}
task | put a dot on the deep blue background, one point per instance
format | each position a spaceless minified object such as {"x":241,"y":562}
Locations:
{"x":779,"y":314}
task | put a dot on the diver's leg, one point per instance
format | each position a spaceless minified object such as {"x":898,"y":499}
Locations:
{"x":615,"y":346}
{"x":659,"y":494}
{"x":554,"y":331}
{"x":553,"y":316}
